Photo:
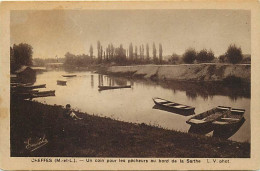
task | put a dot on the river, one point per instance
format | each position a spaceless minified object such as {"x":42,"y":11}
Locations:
{"x":135,"y":104}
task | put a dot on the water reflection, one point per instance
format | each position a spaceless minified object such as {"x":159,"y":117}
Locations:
{"x":136,"y":104}
{"x":194,"y":90}
{"x":100,"y":80}
{"x":92,"y":81}
{"x":226,"y":132}
{"x":175,"y":111}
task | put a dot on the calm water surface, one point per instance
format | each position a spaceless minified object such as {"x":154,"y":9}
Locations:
{"x":136,"y":105}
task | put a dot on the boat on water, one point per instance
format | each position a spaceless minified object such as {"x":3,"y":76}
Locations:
{"x":172,"y":105}
{"x":61,"y":82}
{"x":44,"y":93}
{"x":209,"y":116}
{"x":70,"y":75}
{"x":113,"y":87}
{"x":31,"y":95}
{"x":29,"y":86}
{"x":230,"y":118}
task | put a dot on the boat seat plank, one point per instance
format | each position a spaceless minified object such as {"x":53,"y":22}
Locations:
{"x":196,"y":121}
{"x":237,"y":110}
{"x":220,"y":123}
{"x":180,"y":106}
{"x":160,"y":100}
{"x":222,"y":107}
{"x":235,"y":119}
{"x":169,"y":104}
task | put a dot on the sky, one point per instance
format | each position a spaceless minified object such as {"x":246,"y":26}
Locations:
{"x":56,"y":32}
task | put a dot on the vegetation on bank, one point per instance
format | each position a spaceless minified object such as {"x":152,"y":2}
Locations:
{"x":22,"y":55}
{"x":103,"y":137}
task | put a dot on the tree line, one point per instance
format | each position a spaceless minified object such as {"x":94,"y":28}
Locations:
{"x":21,"y":54}
{"x":232,"y":55}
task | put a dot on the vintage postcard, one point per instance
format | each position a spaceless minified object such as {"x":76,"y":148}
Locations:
{"x":129,"y":85}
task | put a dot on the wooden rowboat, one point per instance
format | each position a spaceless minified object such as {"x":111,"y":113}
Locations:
{"x":113,"y":87}
{"x":61,"y":82}
{"x":30,"y":86}
{"x":230,"y":118}
{"x":69,"y":75}
{"x":172,"y":105}
{"x":209,"y":116}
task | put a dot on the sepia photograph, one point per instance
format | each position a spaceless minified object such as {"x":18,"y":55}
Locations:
{"x":130,"y":85}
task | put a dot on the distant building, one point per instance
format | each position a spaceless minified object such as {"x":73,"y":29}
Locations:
{"x":26,"y":74}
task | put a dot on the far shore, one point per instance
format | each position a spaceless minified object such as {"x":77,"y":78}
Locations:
{"x":96,"y":136}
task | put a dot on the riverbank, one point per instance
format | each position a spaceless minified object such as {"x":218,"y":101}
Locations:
{"x":104,"y":137}
{"x":186,"y":72}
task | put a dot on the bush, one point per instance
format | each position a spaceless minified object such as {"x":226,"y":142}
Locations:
{"x":174,"y":59}
{"x":222,"y":58}
{"x":205,"y":56}
{"x":234,"y":54}
{"x":189,"y":56}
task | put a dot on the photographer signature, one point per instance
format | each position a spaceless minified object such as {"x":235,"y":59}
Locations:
{"x":39,"y":142}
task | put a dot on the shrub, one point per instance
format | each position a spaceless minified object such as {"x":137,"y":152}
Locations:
{"x":189,"y":56}
{"x":222,"y":58}
{"x":210,"y":56}
{"x":174,"y":58}
{"x":234,"y":54}
{"x":205,"y":56}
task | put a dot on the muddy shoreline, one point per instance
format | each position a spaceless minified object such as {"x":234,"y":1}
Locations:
{"x":96,"y":136}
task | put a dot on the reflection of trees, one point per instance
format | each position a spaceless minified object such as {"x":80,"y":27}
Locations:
{"x":204,"y":90}
{"x":191,"y":94}
{"x":113,"y":81}
{"x":208,"y":90}
{"x":100,"y":80}
{"x":92,"y":81}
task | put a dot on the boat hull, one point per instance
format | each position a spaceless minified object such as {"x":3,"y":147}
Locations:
{"x":188,"y":109}
{"x":112,"y":87}
{"x":206,"y":118}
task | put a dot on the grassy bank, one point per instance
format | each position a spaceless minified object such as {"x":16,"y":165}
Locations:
{"x":240,"y":73}
{"x":103,"y":137}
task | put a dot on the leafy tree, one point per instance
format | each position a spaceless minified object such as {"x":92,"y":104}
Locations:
{"x":205,"y":56}
{"x":147,"y":52}
{"x":91,"y":51}
{"x":174,"y":59}
{"x":135,"y":52}
{"x":23,"y":54}
{"x":20,"y":55}
{"x":154,"y":53}
{"x":202,"y":56}
{"x":189,"y":56}
{"x":160,"y":52}
{"x":131,"y":52}
{"x":222,"y":58}
{"x":142,"y":50}
{"x":234,"y":54}
{"x":211,"y":55}
{"x":98,"y":50}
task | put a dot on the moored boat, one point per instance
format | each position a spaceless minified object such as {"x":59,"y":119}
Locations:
{"x":43,"y":93}
{"x":61,"y":82}
{"x":230,"y":118}
{"x":209,"y":116}
{"x":172,"y":105}
{"x":29,"y":86}
{"x":70,"y":75}
{"x":113,"y":87}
